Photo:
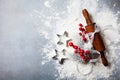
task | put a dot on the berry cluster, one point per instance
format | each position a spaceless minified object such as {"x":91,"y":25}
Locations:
{"x":82,"y":32}
{"x":84,"y":54}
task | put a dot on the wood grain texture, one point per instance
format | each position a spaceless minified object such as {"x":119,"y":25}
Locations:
{"x":97,"y":42}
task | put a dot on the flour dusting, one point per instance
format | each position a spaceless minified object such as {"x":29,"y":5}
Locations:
{"x":106,"y":20}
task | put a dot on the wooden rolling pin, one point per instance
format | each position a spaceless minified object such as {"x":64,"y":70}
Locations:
{"x":97,"y":42}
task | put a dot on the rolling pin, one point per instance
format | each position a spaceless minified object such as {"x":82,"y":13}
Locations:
{"x":97,"y":41}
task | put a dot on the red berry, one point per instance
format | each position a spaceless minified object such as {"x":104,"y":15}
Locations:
{"x":75,"y":47}
{"x":87,"y":52}
{"x":84,"y":32}
{"x":80,"y":25}
{"x":80,"y":34}
{"x":75,"y":51}
{"x":70,"y":43}
{"x":81,"y":51}
{"x":81,"y":29}
{"x":84,"y":59}
{"x":81,"y":54}
{"x":84,"y":39}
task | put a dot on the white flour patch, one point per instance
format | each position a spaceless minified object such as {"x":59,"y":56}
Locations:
{"x":47,"y":4}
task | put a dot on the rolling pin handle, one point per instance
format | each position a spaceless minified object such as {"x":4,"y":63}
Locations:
{"x":104,"y":60}
{"x":87,"y":17}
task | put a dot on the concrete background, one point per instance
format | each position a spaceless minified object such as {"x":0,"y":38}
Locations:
{"x":21,"y":41}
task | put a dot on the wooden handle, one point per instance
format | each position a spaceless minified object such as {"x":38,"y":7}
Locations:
{"x":87,"y":17}
{"x":97,"y":42}
{"x":104,"y":60}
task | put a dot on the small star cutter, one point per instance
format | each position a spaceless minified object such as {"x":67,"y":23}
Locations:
{"x":63,"y":39}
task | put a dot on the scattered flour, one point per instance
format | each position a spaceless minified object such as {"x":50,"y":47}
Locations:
{"x":109,"y":30}
{"x":47,"y":4}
